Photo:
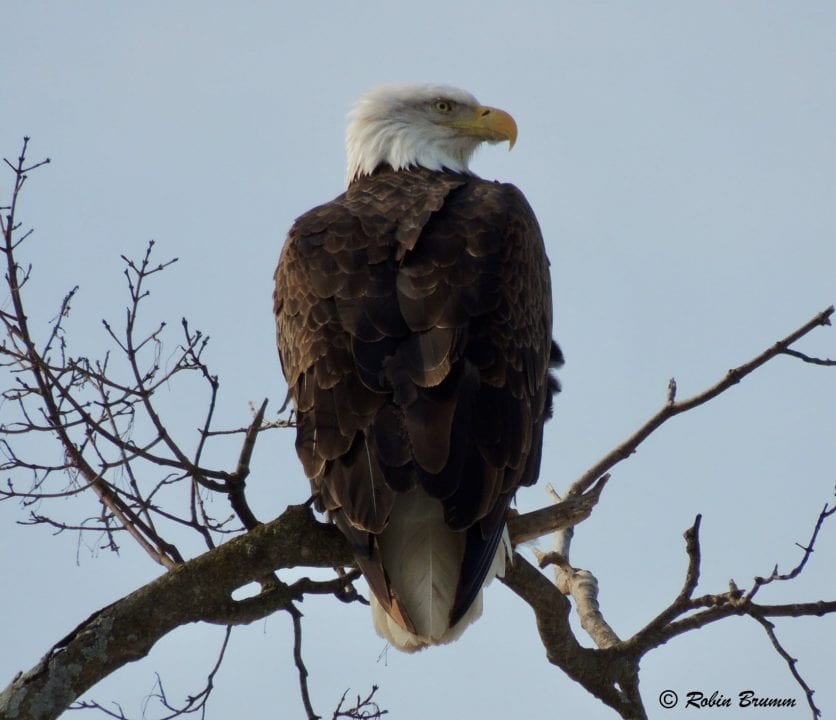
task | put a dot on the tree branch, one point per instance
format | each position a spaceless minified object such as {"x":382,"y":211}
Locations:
{"x":570,"y":511}
{"x":296,"y":616}
{"x":198,"y":590}
{"x":601,"y":672}
{"x":673,"y":407}
{"x":791,"y":663}
{"x":577,"y":583}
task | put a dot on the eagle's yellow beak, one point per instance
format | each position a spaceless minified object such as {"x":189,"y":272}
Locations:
{"x":487,"y":123}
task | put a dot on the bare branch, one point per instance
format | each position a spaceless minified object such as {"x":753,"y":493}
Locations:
{"x":711,"y":608}
{"x":296,"y":616}
{"x":237,"y":482}
{"x":682,"y":602}
{"x":118,"y":713}
{"x":199,"y":589}
{"x":826,"y":362}
{"x":791,"y":663}
{"x":671,"y":409}
{"x":364,"y":708}
{"x":94,"y":414}
{"x":808,"y":551}
{"x":54,"y":393}
{"x":580,"y":584}
{"x":608,"y":676}
{"x":567,"y":513}
{"x":620,"y":689}
{"x":194,"y":703}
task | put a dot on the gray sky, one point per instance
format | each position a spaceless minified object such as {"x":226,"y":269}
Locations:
{"x":682,"y":162}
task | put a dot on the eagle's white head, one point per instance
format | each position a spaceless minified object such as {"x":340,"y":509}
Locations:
{"x":433,"y":126}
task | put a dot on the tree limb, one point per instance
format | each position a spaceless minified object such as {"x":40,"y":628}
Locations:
{"x":674,"y":407}
{"x":570,"y":511}
{"x":198,"y":590}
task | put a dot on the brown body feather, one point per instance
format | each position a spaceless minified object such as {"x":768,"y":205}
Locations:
{"x":414,"y":326}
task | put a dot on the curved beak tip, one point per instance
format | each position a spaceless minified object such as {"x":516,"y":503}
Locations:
{"x":504,"y":125}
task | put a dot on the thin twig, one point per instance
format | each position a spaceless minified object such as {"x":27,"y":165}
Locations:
{"x":237,"y":483}
{"x":682,"y":603}
{"x":792,"y":663}
{"x":364,"y":708}
{"x":296,"y":616}
{"x":193,"y":703}
{"x":827,"y":362}
{"x":808,"y":551}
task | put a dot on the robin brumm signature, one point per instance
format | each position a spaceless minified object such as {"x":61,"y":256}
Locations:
{"x":745,"y":698}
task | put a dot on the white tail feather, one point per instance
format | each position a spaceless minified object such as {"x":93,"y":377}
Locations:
{"x":423,"y":559}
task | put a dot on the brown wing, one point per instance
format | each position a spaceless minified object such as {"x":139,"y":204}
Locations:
{"x":414,"y":324}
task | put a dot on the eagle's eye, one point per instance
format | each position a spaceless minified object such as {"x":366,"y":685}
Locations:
{"x":442,"y":106}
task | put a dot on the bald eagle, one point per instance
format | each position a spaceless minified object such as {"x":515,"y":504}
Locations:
{"x":414,"y":324}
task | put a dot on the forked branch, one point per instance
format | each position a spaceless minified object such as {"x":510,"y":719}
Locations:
{"x":611,"y":671}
